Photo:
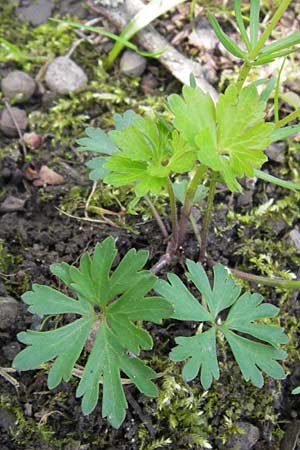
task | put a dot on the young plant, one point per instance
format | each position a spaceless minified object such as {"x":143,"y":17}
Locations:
{"x":108,"y":304}
{"x":221,"y":142}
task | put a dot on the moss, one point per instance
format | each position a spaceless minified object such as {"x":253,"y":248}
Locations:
{"x":189,"y":417}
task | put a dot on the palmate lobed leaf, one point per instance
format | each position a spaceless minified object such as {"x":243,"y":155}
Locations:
{"x":255,"y":348}
{"x":121,"y":298}
{"x":149,"y":153}
{"x":141,"y":151}
{"x":230,"y":137}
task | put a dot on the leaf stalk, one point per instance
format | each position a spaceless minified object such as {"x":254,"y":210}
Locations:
{"x":207,"y":216}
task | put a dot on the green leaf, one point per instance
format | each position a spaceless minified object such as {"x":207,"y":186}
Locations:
{"x":98,"y":172}
{"x":242,"y":132}
{"x":252,"y":356}
{"x":285,"y":132}
{"x":224,"y":292}
{"x":240,"y":24}
{"x":254,"y":22}
{"x":265,"y":59}
{"x":228,"y":43}
{"x":186,"y":306}
{"x":255,"y":348}
{"x":230,"y":137}
{"x":193,"y":112}
{"x":125,"y":120}
{"x":265,"y":95}
{"x":201,"y":352}
{"x":97,"y":141}
{"x":109,"y":303}
{"x":180,"y":188}
{"x":281,"y":44}
{"x":296,"y":391}
{"x":148,"y":154}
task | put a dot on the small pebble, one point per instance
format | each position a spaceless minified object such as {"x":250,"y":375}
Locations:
{"x":63,"y":76}
{"x":10,"y":350}
{"x":8,"y":312}
{"x":7,"y":125}
{"x":8,"y":420}
{"x":203,"y":36}
{"x":18,"y":85}
{"x":275,"y":152}
{"x":294,"y":236}
{"x":246,"y":440}
{"x":132,"y":64}
{"x":36,"y":13}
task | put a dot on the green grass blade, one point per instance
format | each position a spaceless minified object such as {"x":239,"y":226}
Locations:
{"x":274,"y":180}
{"x":254,"y":22}
{"x":240,"y":23}
{"x":228,"y":43}
{"x":143,"y":18}
{"x":119,"y":39}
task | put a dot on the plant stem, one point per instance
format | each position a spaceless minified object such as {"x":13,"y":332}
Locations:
{"x":266,"y":34}
{"x":266,"y":281}
{"x":188,"y":202}
{"x":173,"y":213}
{"x":207,"y":216}
{"x":273,"y":282}
{"x":157,"y":217}
{"x":243,"y":74}
{"x":292,"y":116}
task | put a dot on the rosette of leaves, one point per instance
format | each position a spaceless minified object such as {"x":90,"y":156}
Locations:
{"x":141,"y":151}
{"x":108,"y":305}
{"x":255,"y":346}
{"x":229,"y":137}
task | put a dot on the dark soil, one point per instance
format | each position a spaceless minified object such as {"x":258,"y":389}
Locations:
{"x":31,"y":416}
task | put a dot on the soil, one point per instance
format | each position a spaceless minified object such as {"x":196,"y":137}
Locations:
{"x":51,"y":227}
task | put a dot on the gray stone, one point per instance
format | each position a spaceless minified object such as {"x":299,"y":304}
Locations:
{"x":18,"y":85}
{"x":7,"y":125}
{"x":132,"y":64}
{"x":203,"y":36}
{"x":110,"y":3}
{"x":10,"y":350}
{"x":37,"y":13}
{"x":8,"y":312}
{"x":294,"y":236}
{"x":63,"y":76}
{"x":7,"y":420}
{"x":246,"y":439}
{"x":275,"y":152}
{"x":245,"y":200}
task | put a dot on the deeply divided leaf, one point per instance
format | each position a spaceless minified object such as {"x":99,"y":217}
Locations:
{"x":108,"y":303}
{"x":253,"y":342}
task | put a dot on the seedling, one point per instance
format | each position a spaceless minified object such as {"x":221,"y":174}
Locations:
{"x":219,"y":142}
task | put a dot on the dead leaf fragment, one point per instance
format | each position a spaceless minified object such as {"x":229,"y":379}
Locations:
{"x":47,"y":176}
